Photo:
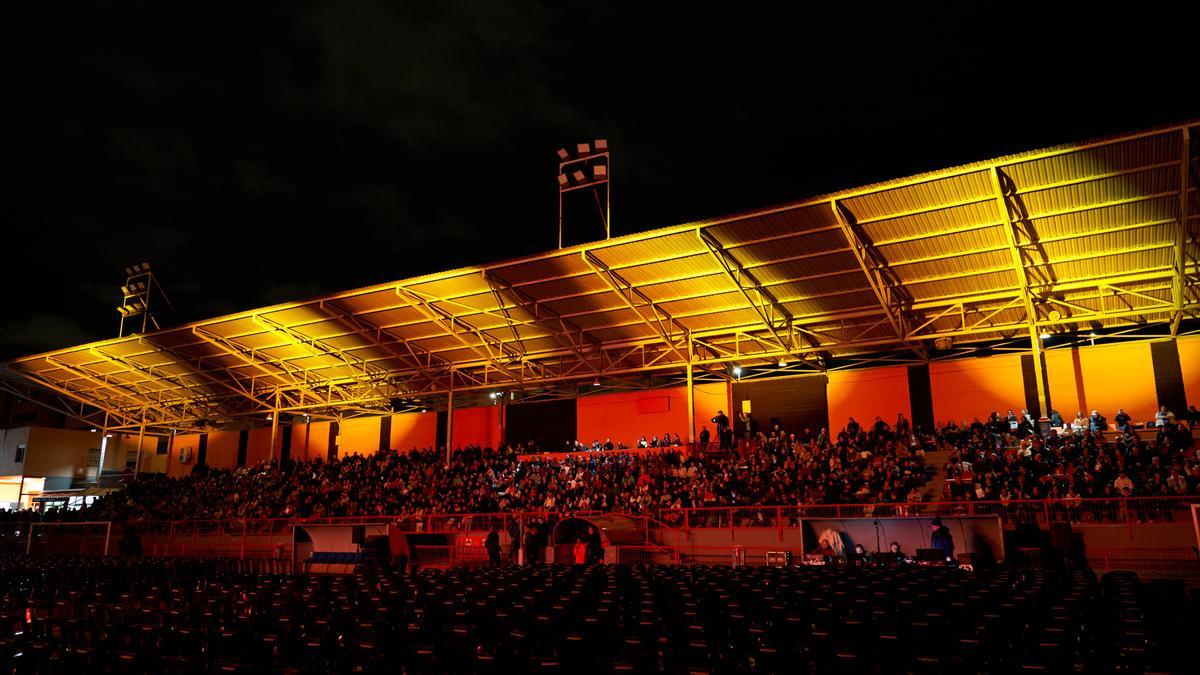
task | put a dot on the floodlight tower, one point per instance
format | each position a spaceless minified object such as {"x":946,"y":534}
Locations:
{"x":136,"y":294}
{"x":587,"y":168}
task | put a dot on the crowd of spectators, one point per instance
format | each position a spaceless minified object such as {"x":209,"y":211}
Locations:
{"x":1006,"y":458}
{"x":786,"y":469}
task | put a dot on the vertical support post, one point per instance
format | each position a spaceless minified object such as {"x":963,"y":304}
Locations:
{"x":275,"y":431}
{"x":137,"y":463}
{"x":1039,"y":368}
{"x":21,"y":490}
{"x":108,"y":536}
{"x":103,"y":448}
{"x":691,"y":400}
{"x":450,"y":420}
{"x":245,"y":529}
{"x":170,"y":535}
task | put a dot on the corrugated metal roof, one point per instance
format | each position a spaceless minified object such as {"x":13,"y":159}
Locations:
{"x":1096,"y":228}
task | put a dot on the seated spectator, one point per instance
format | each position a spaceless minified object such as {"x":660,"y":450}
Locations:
{"x":1164,"y":417}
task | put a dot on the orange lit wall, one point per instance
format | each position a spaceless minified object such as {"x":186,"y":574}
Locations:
{"x":1103,"y":378}
{"x":174,"y":466}
{"x":317,"y":434}
{"x":477,"y":426}
{"x":628,"y":415}
{"x":863,"y":394}
{"x":1189,"y":364}
{"x":970,"y":388}
{"x":222,"y":449}
{"x":414,"y":431}
{"x":258,"y":446}
{"x":710,"y":397}
{"x":359,"y":436}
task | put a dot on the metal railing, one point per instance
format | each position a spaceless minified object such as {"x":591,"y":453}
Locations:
{"x":1092,"y":511}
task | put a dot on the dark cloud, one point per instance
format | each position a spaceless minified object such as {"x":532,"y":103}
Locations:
{"x":261,"y":152}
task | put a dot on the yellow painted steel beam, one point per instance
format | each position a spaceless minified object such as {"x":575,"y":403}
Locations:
{"x":1181,"y":233}
{"x":662,"y":324}
{"x":1022,"y":275}
{"x":775,"y":317}
{"x":410,"y":357}
{"x":887,"y":288}
{"x":501,"y":359}
{"x":30,"y":395}
{"x":99,"y":404}
{"x":198,"y":394}
{"x":368,"y":375}
{"x":280,"y":370}
{"x":587,"y":344}
{"x":122,"y":391}
{"x":195,"y":367}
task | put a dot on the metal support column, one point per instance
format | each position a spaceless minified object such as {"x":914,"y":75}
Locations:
{"x":450,"y":420}
{"x":691,"y":396}
{"x":137,"y":463}
{"x":275,"y":430}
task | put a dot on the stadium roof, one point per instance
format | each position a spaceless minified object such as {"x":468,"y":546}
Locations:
{"x":1082,"y":237}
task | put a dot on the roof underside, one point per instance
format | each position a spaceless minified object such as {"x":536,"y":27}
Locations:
{"x":1091,"y":236}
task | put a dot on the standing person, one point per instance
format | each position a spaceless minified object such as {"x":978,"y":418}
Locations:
{"x":595,"y":546}
{"x":704,"y":436}
{"x":941,"y":539}
{"x":903,"y":427}
{"x":492,"y":544}
{"x":722,"y":423}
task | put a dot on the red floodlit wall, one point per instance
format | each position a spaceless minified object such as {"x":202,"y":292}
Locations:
{"x":863,"y":394}
{"x":970,"y":388}
{"x":359,"y":436}
{"x":628,"y":415}
{"x":414,"y":431}
{"x":1103,"y":378}
{"x":1189,"y":364}
{"x":477,"y":426}
{"x":710,"y":397}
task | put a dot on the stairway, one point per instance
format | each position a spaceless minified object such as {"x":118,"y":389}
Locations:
{"x":935,"y":476}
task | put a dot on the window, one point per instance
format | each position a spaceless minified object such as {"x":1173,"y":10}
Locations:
{"x":93,"y":457}
{"x":161,"y":448}
{"x":20,"y":454}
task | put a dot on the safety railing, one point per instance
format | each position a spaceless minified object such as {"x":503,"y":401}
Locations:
{"x":1149,"y":562}
{"x":1092,"y":511}
{"x":447,"y":556}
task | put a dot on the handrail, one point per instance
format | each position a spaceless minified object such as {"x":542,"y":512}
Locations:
{"x":1084,"y":511}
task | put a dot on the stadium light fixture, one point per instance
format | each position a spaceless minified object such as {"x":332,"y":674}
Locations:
{"x":1045,"y":336}
{"x":588,"y":168}
{"x":596,"y":382}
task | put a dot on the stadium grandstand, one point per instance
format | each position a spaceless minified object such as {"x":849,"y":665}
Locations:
{"x":944,"y":423}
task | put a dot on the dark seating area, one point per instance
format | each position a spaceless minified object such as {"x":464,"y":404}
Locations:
{"x":177,"y":615}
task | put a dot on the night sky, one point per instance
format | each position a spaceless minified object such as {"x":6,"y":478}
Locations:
{"x":260,"y":152}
